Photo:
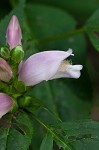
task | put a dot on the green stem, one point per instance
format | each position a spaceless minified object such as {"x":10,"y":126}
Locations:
{"x":60,"y":36}
{"x":51,"y":131}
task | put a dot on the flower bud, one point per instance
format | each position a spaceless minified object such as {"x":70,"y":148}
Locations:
{"x":20,"y":86}
{"x":13,"y":33}
{"x":17,"y":54}
{"x":24,"y":101}
{"x":14,"y":107}
{"x":5,"y":70}
{"x":5,"y":53}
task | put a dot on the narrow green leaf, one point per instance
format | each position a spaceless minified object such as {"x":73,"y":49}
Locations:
{"x":47,"y":143}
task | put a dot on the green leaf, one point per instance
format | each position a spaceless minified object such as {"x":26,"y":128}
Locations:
{"x":36,"y":104}
{"x":47,"y":143}
{"x":80,"y":127}
{"x":19,"y":12}
{"x":81,"y":134}
{"x":17,"y":136}
{"x":72,"y":98}
{"x":92,"y":29}
{"x":57,"y":137}
{"x":61,"y":142}
{"x":44,"y":99}
{"x":81,"y":10}
{"x":47,"y":24}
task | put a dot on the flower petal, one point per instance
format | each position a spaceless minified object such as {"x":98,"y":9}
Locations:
{"x":5,"y":104}
{"x":67,"y":70}
{"x":13,"y":33}
{"x":5,"y":70}
{"x":42,"y":66}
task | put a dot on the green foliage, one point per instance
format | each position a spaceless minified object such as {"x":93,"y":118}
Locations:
{"x":92,"y":29}
{"x":81,"y":133}
{"x":47,"y":142}
{"x":17,"y":134}
{"x":36,"y":104}
{"x":52,"y":106}
{"x":46,"y":28}
{"x":57,"y":137}
{"x":79,"y":9}
{"x":53,"y":33}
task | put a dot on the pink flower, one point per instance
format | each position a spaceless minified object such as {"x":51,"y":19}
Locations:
{"x":13,"y":33}
{"x":47,"y":65}
{"x":5,"y":70}
{"x":5,"y":104}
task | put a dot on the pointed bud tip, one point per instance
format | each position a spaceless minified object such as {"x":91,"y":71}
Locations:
{"x":14,"y":23}
{"x":13,"y":33}
{"x":14,"y":18}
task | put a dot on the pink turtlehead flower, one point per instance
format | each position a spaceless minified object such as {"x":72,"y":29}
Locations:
{"x":47,"y":65}
{"x":5,"y":70}
{"x":5,"y":104}
{"x":13,"y":33}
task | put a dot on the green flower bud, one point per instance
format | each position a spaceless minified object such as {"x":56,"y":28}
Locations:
{"x":20,"y":86}
{"x":17,"y":54}
{"x":24,"y":101}
{"x":4,"y":52}
{"x":14,"y":107}
{"x":11,"y":90}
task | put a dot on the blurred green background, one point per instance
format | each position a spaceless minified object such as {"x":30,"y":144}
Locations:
{"x":81,"y":10}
